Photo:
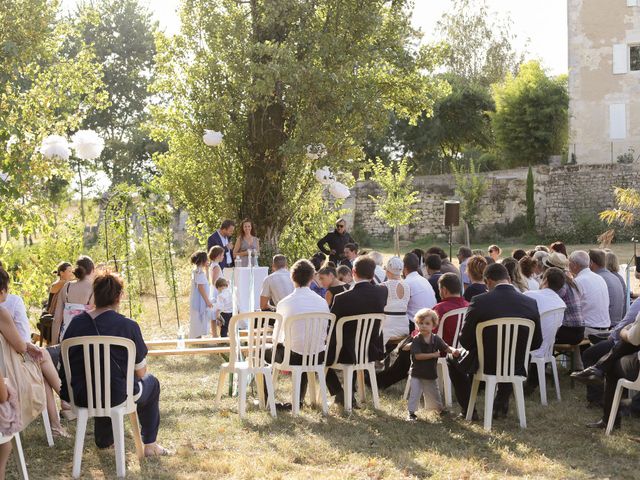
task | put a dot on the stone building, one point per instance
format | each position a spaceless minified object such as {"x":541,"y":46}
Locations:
{"x":604,"y":80}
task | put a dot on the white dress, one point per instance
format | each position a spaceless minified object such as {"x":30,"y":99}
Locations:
{"x":199,"y":313}
{"x":396,"y":322}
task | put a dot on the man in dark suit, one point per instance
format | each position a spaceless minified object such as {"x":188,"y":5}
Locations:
{"x":364,"y":297}
{"x":222,"y":237}
{"x":502,"y":300}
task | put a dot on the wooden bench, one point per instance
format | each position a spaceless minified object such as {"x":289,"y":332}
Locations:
{"x":573,"y":351}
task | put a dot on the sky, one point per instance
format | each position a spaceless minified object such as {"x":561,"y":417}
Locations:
{"x":540,"y":25}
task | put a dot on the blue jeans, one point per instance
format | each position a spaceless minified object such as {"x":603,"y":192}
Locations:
{"x":148,"y":407}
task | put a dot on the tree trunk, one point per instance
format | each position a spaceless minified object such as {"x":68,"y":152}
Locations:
{"x":467,"y":236}
{"x":81,"y":193}
{"x":396,"y":240}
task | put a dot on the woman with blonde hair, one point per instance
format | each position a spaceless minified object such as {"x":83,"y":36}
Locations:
{"x":513,"y":267}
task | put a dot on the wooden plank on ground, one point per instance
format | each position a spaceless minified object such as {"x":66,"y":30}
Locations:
{"x":191,"y":351}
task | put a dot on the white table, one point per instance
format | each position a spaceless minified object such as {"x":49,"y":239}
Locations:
{"x":242,"y":286}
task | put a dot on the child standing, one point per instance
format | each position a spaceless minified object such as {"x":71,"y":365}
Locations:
{"x":200,"y":305}
{"x":426,"y":348}
{"x":224,"y":305}
{"x":216,"y":255}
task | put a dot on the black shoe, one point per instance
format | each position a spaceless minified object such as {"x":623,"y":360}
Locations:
{"x":589,"y":376}
{"x":412,"y":417}
{"x":282,"y":407}
{"x":474,"y":416}
{"x":339,"y":400}
{"x":602,"y":425}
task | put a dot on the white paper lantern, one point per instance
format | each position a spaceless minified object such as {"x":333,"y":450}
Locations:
{"x":87,"y":144}
{"x":212,"y":138}
{"x":316,"y":151}
{"x":339,"y":190}
{"x":55,"y":146}
{"x":4,"y":176}
{"x":324,"y":176}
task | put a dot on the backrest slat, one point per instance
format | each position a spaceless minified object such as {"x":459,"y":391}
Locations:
{"x":456,"y":315}
{"x":259,"y":333}
{"x":316,"y":328}
{"x":506,"y":352}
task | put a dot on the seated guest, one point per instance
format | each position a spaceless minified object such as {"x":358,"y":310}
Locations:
{"x":547,"y":299}
{"x":447,"y":266}
{"x":345,"y":276}
{"x":502,"y":300}
{"x":558,"y":247}
{"x":518,"y":254}
{"x":594,"y":295}
{"x":364,"y":297}
{"x":464,"y":254}
{"x":422,"y":294}
{"x":494,"y":252}
{"x":475,"y":268}
{"x":420,"y":254}
{"x":350,"y":254}
{"x":379,"y":277}
{"x":64,"y":271}
{"x":317,"y":260}
{"x":616,"y":292}
{"x":527,"y":267}
{"x":450,"y":292}
{"x":105,"y":320}
{"x":433,"y":264}
{"x":539,"y":257}
{"x":301,"y":300}
{"x":514,"y":273}
{"x":542,"y":248}
{"x":277,"y":285}
{"x":572,"y":330}
{"x":329,"y":281}
{"x":396,"y":323}
{"x":614,"y":267}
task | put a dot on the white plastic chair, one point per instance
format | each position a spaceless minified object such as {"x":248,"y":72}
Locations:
{"x":45,"y":414}
{"x":622,"y":383}
{"x":365,"y":330}
{"x":315,"y":329}
{"x":443,"y":370}
{"x":253,"y":360}
{"x":22,"y":464}
{"x":505,"y":354}
{"x":551,"y":321}
{"x":93,"y":348}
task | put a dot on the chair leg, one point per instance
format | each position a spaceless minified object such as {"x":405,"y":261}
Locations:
{"x":81,"y":430}
{"x":242,"y":392}
{"x":323,"y":391}
{"x":489,"y":395}
{"x":347,"y":374}
{"x":542,"y":382}
{"x":374,"y":386}
{"x":47,"y":426}
{"x":222,"y":378}
{"x":361,"y":386}
{"x":475,"y":386}
{"x":117,"y":425}
{"x":313,"y":389}
{"x":446,"y":384}
{"x":275,"y":376}
{"x":518,"y":391}
{"x":137,"y":438}
{"x":260,"y":380}
{"x":556,"y":379}
{"x":22,"y":464}
{"x":271,"y":394}
{"x":614,"y":407}
{"x":407,"y":387}
{"x":296,"y":377}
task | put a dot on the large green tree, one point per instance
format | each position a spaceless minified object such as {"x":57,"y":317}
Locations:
{"x":121,"y":33}
{"x":531,"y":118}
{"x":42,"y":91}
{"x":275,"y":77}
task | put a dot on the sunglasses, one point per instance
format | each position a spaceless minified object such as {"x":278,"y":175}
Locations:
{"x":340,"y":226}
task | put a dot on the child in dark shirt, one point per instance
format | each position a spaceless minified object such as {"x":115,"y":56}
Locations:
{"x":426,"y":348}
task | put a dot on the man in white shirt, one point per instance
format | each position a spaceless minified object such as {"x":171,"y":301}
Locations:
{"x":277,"y":285}
{"x":301,"y":300}
{"x":422,"y":294}
{"x":15,"y":306}
{"x":594,"y":295}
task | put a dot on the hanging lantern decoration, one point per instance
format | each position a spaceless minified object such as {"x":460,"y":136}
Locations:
{"x":339,"y":190}
{"x":55,"y":146}
{"x":324,"y":176}
{"x":87,"y":144}
{"x":316,"y":151}
{"x":212,"y":138}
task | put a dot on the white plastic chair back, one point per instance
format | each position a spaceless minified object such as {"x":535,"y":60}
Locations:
{"x":550,"y":322}
{"x":315,"y":328}
{"x":506,"y":352}
{"x":457,"y":316}
{"x":258,"y":338}
{"x":365,"y":330}
{"x":97,"y":371}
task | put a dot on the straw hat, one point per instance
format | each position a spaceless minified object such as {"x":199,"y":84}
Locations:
{"x":556,"y":259}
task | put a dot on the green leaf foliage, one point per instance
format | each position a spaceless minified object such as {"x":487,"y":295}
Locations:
{"x":470,"y":187}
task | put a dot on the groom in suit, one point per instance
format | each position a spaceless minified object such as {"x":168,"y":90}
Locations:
{"x":364,"y":297}
{"x":502,"y":300}
{"x":222,"y":237}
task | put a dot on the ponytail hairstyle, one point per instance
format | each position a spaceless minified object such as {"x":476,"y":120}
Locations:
{"x":84,"y":267}
{"x":199,"y":258}
{"x":107,"y":288}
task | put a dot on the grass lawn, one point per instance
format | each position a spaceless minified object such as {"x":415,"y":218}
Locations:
{"x":368,"y":444}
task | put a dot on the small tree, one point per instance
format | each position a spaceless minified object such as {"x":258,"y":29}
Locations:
{"x":393,"y":206}
{"x":531,"y":206}
{"x":470,"y":187}
{"x":627,"y":207}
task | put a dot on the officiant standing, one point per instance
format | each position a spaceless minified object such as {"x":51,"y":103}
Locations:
{"x":336,"y":241}
{"x":247,"y":244}
{"x":222,"y":237}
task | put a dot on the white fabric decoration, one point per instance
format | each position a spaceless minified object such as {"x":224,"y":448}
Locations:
{"x":55,"y":146}
{"x":316,"y":151}
{"x":212,"y":138}
{"x":87,"y":144}
{"x":4,"y":176}
{"x":339,"y":190}
{"x":324,"y":176}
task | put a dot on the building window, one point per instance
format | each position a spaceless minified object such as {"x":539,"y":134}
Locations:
{"x":634,"y":57}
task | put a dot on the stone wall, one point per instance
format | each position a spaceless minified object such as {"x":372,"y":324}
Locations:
{"x":560,"y":195}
